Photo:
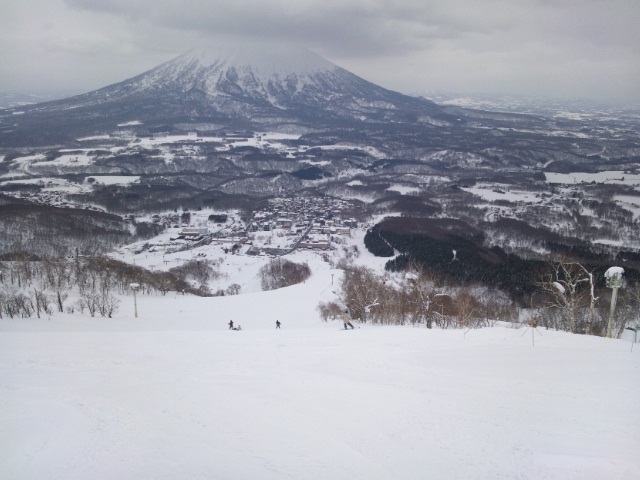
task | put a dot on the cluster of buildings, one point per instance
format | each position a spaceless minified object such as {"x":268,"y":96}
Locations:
{"x":311,"y":223}
{"x":286,"y":225}
{"x":299,"y":213}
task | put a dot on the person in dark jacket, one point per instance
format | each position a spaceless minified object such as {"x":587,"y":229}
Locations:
{"x":278,"y":324}
{"x":230,"y":324}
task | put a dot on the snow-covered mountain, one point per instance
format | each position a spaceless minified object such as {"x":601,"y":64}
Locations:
{"x":266,"y":73}
{"x":238,"y":86}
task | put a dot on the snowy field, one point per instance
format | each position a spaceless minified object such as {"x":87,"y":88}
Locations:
{"x":492,"y":192}
{"x":630,"y":203}
{"x":612,"y":177}
{"x":173,"y":394}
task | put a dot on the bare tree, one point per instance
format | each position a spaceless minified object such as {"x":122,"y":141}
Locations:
{"x":467,"y":309}
{"x":329,"y":310}
{"x":568,"y":286}
{"x":280,"y":273}
{"x":360,"y":291}
{"x":42,"y":302}
{"x":90,"y":300}
{"x":107,"y":304}
{"x":421,"y":295}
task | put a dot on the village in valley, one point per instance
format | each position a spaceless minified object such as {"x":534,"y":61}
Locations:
{"x":288,"y":226}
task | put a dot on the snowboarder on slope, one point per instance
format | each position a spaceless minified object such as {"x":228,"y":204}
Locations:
{"x":230,"y":324}
{"x":278,"y":324}
{"x":346,"y":318}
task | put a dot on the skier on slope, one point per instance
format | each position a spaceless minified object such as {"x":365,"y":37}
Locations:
{"x":346,"y":318}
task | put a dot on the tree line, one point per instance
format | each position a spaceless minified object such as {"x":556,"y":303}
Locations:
{"x":58,"y":232}
{"x":33,"y":286}
{"x":565,"y":298}
{"x":454,"y":250}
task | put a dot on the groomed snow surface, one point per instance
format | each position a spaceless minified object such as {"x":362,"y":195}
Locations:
{"x":174,"y":394}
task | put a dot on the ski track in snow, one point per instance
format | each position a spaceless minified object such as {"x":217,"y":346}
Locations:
{"x":174,"y":394}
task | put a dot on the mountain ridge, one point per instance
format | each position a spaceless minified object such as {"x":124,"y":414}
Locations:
{"x":257,"y":87}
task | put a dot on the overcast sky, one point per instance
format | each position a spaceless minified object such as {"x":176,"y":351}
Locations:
{"x":549,"y":48}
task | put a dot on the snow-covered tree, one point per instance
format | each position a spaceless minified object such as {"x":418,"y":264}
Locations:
{"x":568,"y":287}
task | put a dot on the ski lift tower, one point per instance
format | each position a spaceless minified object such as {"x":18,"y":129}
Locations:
{"x":614,"y":281}
{"x":135,"y":287}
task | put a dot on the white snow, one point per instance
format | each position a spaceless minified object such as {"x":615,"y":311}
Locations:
{"x":262,"y":60}
{"x":572,"y":115}
{"x":22,"y":161}
{"x":94,"y":137}
{"x":614,"y":272}
{"x":77,"y":159}
{"x":630,"y":203}
{"x":271,"y":140}
{"x":175,"y":394}
{"x":403,"y":189}
{"x":115,"y":179}
{"x":615,"y":177}
{"x":374,"y":152}
{"x":20,"y":181}
{"x":606,"y":241}
{"x":493,"y":192}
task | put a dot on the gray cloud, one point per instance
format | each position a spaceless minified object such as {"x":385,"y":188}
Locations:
{"x":366,"y":28}
{"x":555,"y":48}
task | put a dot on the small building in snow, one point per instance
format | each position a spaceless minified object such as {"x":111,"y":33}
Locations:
{"x":193,"y":231}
